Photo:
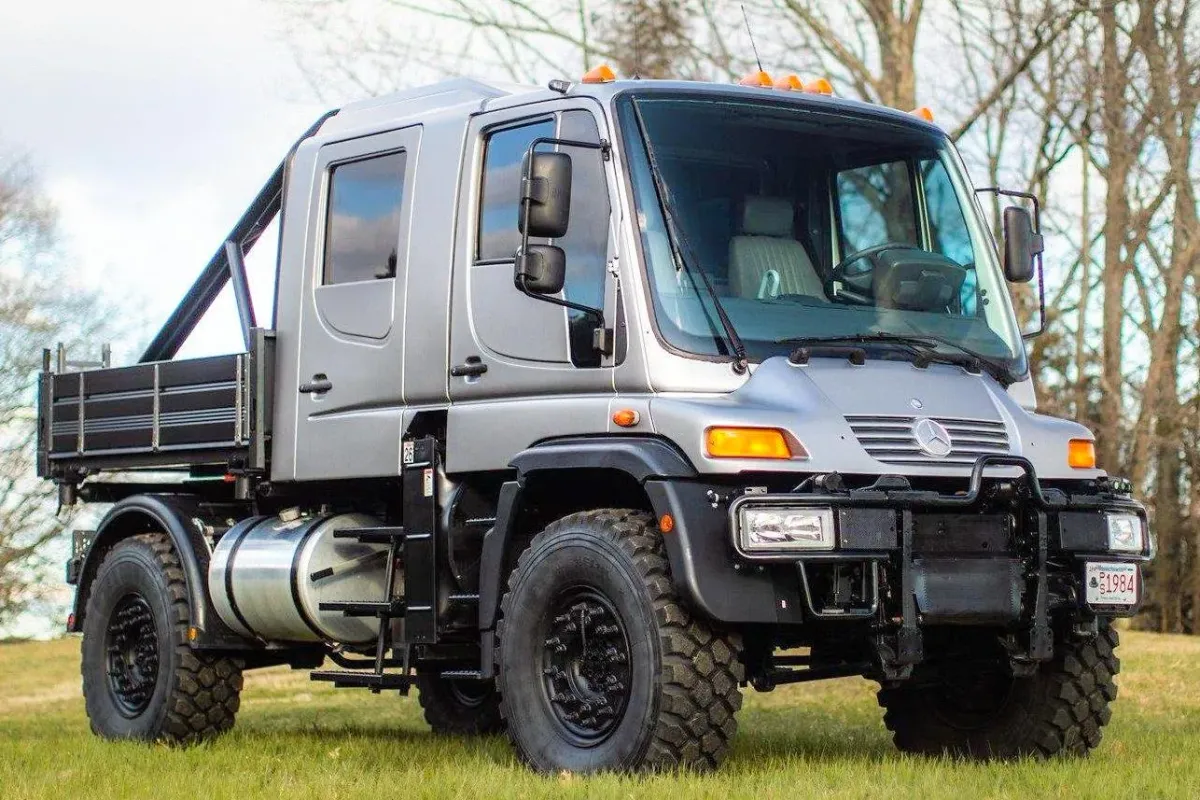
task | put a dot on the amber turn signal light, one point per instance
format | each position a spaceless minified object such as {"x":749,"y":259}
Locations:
{"x":1081,"y":454}
{"x":746,"y":443}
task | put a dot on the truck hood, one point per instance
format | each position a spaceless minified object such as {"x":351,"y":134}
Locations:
{"x":869,"y":420}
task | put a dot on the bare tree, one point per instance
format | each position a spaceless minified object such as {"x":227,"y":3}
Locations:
{"x":38,"y":306}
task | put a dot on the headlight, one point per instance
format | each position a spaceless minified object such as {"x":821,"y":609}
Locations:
{"x":1125,"y":533}
{"x":774,"y":528}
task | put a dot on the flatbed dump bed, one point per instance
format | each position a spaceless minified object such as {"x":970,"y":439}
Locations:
{"x":160,"y":415}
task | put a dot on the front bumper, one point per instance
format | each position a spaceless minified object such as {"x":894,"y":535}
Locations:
{"x":1007,"y":552}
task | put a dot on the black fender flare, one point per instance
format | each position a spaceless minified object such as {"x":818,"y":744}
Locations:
{"x":177,"y":515}
{"x":641,"y":457}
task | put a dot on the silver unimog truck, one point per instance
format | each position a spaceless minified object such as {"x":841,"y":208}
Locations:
{"x":583,"y":408}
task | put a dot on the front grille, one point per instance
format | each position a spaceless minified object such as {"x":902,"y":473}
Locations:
{"x":892,"y":440}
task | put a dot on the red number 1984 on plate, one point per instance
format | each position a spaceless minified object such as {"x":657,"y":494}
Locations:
{"x":1111,"y":583}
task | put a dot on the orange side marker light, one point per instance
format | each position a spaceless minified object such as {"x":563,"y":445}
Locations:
{"x":626,"y":418}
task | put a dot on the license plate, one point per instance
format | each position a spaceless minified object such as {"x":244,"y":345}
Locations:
{"x":1111,"y":584}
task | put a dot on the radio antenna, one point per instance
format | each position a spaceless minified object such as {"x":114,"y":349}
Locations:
{"x":749,"y":32}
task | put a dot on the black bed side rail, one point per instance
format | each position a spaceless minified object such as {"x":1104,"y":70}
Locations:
{"x":214,"y":410}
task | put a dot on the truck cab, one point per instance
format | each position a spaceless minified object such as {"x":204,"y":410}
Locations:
{"x":582,"y":408}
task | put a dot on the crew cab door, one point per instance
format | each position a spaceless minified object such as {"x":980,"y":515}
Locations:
{"x":505,"y":345}
{"x":349,"y":387}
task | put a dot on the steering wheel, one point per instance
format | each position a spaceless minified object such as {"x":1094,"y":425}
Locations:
{"x":856,"y":286}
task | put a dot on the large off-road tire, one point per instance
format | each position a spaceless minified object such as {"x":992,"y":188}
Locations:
{"x":962,"y":710}
{"x":601,"y":666}
{"x":141,"y":680}
{"x":459,"y":707}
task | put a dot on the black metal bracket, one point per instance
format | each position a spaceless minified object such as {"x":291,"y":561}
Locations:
{"x":909,"y":645}
{"x":1041,"y":637}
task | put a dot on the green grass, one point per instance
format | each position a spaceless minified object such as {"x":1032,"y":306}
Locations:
{"x":296,"y":739}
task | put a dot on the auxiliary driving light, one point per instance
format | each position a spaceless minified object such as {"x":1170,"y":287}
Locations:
{"x":780,"y":528}
{"x":1125,"y":533}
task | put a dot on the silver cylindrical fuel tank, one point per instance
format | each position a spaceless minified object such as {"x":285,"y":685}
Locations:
{"x":269,"y":576}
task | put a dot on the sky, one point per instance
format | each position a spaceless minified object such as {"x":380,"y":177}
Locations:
{"x":152,"y":123}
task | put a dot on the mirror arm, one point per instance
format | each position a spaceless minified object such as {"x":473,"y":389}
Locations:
{"x":527,"y":180}
{"x":594,"y":313}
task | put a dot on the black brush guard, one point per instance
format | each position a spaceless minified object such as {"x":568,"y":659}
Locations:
{"x":876,"y":524}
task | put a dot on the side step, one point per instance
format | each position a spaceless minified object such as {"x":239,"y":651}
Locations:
{"x":376,"y":682}
{"x":384,"y":609}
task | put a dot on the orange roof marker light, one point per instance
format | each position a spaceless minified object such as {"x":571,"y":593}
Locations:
{"x":790,"y":83}
{"x":924,"y":112}
{"x":759,"y":78}
{"x":819,"y":86}
{"x":600,"y":74}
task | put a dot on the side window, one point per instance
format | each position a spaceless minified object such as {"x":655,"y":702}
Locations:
{"x":947,"y":227}
{"x":875,"y":205}
{"x":362,"y":229}
{"x":586,"y":242}
{"x":501,"y":195}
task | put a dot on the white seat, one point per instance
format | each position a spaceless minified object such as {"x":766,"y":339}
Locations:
{"x":765,"y":260}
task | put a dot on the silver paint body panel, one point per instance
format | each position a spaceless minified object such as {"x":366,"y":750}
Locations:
{"x":443,"y":308}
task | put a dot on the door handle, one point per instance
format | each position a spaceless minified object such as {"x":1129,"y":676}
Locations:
{"x":473,"y":368}
{"x":320,"y":384}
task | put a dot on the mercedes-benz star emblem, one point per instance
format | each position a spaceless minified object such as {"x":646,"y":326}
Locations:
{"x":932,"y":437}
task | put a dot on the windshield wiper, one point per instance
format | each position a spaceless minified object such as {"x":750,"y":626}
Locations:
{"x":676,"y":240}
{"x":924,"y":346}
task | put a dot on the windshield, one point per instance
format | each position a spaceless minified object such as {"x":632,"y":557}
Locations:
{"x":810,"y":225}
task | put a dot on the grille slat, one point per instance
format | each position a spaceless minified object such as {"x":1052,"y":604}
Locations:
{"x":891,"y":439}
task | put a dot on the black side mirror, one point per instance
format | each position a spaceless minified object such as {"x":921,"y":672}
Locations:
{"x":545,"y":195}
{"x":540,"y":269}
{"x":1021,"y":245}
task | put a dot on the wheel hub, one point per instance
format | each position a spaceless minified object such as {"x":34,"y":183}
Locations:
{"x":131,"y":647}
{"x":585,"y":665}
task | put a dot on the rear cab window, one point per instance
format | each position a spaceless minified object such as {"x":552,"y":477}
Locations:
{"x":362,"y":227}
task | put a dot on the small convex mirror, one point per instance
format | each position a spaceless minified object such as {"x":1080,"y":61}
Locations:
{"x":540,"y":269}
{"x":545,"y":195}
{"x":1021,"y":245}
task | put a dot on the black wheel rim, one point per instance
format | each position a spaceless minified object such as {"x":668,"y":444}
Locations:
{"x":585,"y":665}
{"x":131,"y":645}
